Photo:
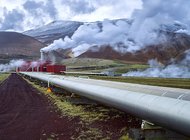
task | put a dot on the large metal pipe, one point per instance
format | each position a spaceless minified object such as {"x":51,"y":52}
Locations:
{"x":175,"y":93}
{"x":169,"y":112}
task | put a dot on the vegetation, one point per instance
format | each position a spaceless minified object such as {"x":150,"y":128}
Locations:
{"x":120,"y":67}
{"x":167,"y":82}
{"x":125,"y":137}
{"x":75,"y":62}
{"x":129,"y":67}
{"x":88,"y":115}
{"x":3,"y":76}
{"x":154,"y":81}
{"x":99,"y":65}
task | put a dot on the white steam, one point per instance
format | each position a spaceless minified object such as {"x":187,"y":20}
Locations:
{"x":145,"y":30}
{"x":96,"y":34}
{"x":12,"y":65}
{"x":175,"y":70}
{"x":35,"y":64}
{"x":154,"y":14}
{"x":183,"y":31}
{"x":148,"y":27}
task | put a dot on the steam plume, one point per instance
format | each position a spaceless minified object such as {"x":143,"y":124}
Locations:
{"x":11,"y":65}
{"x":175,"y":70}
{"x":154,"y":16}
{"x":144,"y":30}
{"x":96,"y":34}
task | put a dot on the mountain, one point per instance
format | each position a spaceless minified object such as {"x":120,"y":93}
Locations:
{"x":173,"y":48}
{"x":110,"y":39}
{"x":15,"y":45}
{"x":60,"y":29}
{"x":54,"y":30}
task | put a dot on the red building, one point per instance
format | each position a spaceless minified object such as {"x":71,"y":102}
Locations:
{"x":39,"y":66}
{"x":56,"y":68}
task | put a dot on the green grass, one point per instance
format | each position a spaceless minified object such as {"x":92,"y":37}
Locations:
{"x":3,"y":76}
{"x":72,"y":110}
{"x":166,"y":82}
{"x":125,"y":137}
{"x":129,"y":67}
{"x":99,"y":65}
{"x":78,"y":62}
{"x":120,"y":67}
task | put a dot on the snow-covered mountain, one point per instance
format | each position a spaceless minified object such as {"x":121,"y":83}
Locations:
{"x":54,"y":30}
{"x":114,"y":39}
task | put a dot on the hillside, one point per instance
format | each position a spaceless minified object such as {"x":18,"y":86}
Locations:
{"x":109,"y":40}
{"x":18,"y":46}
{"x":174,"y":48}
{"x":54,"y":30}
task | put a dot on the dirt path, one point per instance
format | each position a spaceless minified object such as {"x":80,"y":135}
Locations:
{"x":26,"y":114}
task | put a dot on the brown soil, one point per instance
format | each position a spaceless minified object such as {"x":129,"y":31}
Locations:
{"x":26,"y":114}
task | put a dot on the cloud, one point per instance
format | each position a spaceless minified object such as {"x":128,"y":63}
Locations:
{"x":32,"y":5}
{"x":110,"y":10}
{"x":79,"y":6}
{"x":51,"y":9}
{"x":40,"y":8}
{"x":12,"y":20}
{"x":39,"y":12}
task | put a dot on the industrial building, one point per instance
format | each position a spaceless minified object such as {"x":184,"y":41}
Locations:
{"x":41,"y":66}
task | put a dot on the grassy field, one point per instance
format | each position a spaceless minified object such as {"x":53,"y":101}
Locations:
{"x":120,"y":67}
{"x":166,"y":82}
{"x":3,"y":76}
{"x":101,"y":65}
{"x":75,"y":62}
{"x":129,"y":67}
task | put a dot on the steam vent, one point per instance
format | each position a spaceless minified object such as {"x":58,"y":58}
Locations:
{"x":42,"y":55}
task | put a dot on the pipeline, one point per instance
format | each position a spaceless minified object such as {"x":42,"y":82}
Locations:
{"x":166,"y":110}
